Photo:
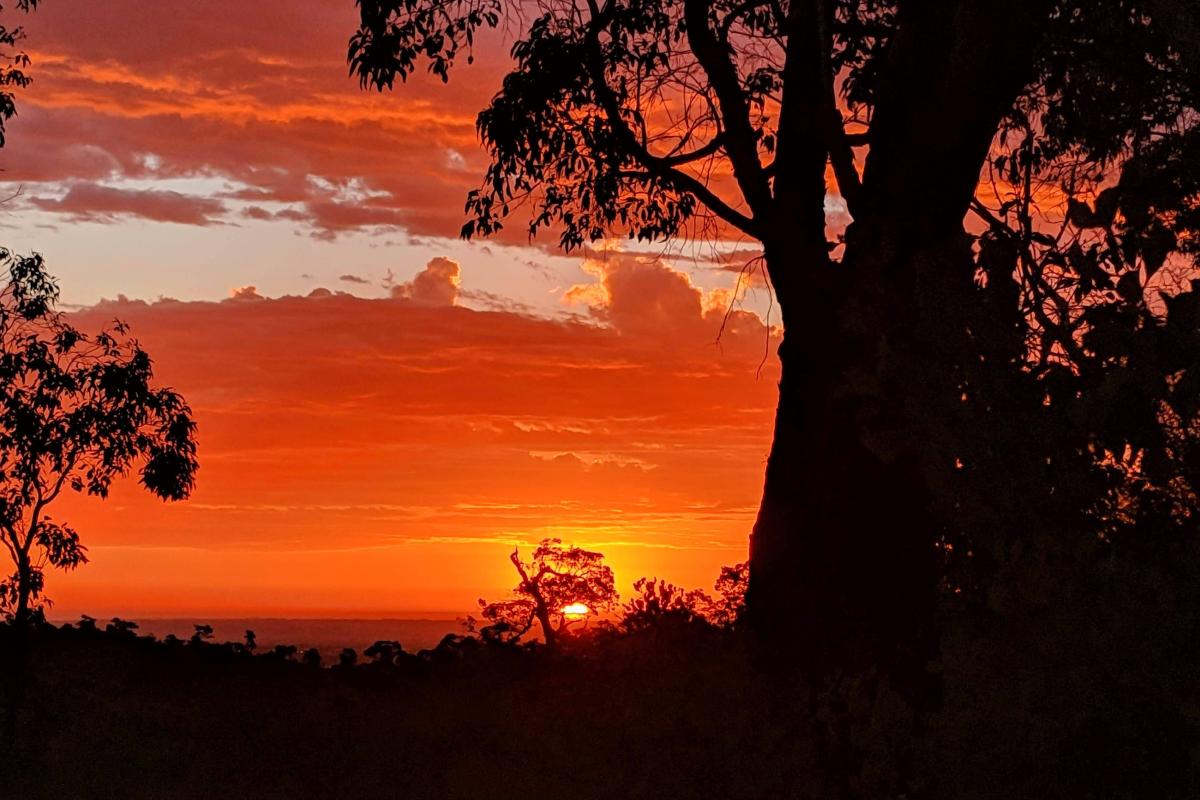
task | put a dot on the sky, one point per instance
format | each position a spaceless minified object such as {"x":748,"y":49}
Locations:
{"x":384,"y":410}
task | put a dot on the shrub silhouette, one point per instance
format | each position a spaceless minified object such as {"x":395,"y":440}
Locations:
{"x":347,"y":658}
{"x":657,"y":602}
{"x":385,"y":652}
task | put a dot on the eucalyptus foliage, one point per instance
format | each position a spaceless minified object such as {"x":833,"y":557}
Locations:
{"x":77,"y":412}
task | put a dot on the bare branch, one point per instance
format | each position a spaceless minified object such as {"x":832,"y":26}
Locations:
{"x":711,"y":148}
{"x":663,"y":169}
{"x":741,"y":140}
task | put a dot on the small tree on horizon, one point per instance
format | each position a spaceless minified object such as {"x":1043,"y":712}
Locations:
{"x":77,"y":411}
{"x":554,"y":579}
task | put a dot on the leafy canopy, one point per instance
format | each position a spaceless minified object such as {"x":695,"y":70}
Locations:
{"x":555,"y":578}
{"x":609,"y":120}
{"x":77,"y":411}
{"x":14,"y":63}
{"x":1090,"y":207}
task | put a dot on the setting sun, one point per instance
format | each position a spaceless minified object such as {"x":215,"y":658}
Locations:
{"x":576,"y":610}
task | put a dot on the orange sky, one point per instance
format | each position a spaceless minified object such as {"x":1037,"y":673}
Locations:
{"x":370,"y":456}
{"x":383,"y":411}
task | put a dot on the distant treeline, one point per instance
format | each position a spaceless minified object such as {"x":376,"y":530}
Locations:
{"x":656,"y":604}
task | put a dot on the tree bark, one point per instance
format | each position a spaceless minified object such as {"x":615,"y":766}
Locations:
{"x":543,"y":615}
{"x":24,"y":589}
{"x":844,"y":571}
{"x":540,"y":609}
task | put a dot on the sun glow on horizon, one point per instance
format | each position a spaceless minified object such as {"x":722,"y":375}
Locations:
{"x":576,"y":610}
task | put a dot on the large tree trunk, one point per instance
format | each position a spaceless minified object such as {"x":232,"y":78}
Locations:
{"x":844,"y":569}
{"x":14,"y":658}
{"x":540,"y":609}
{"x":24,"y":589}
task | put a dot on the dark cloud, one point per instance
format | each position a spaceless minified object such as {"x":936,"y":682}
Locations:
{"x":490,"y":301}
{"x":257,"y":212}
{"x":94,"y":202}
{"x":275,"y":116}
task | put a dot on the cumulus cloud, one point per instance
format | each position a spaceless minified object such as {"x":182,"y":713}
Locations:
{"x":246,"y":293}
{"x":435,"y":285}
{"x":643,"y":296}
{"x":331,"y":217}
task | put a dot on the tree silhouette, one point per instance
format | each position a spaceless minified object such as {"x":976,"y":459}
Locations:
{"x":385,"y":652}
{"x":730,"y":602}
{"x":656,"y":601}
{"x":347,"y":658}
{"x":1090,"y":205}
{"x":13,"y":65}
{"x":921,"y":366}
{"x":76,"y":411}
{"x":554,"y":579}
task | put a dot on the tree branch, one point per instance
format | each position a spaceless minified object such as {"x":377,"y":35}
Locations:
{"x":841,"y":158}
{"x":687,"y":183}
{"x":802,"y":152}
{"x":748,"y":5}
{"x":1062,"y":334}
{"x":540,"y":609}
{"x":10,"y":533}
{"x":663,"y":169}
{"x":742,"y":142}
{"x":711,"y":148}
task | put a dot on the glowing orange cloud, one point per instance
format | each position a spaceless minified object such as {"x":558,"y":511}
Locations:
{"x":376,"y":456}
{"x":261,"y":101}
{"x":364,"y":457}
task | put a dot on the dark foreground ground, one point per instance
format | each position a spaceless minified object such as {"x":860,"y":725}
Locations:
{"x":121,"y":717}
{"x":667,"y":713}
